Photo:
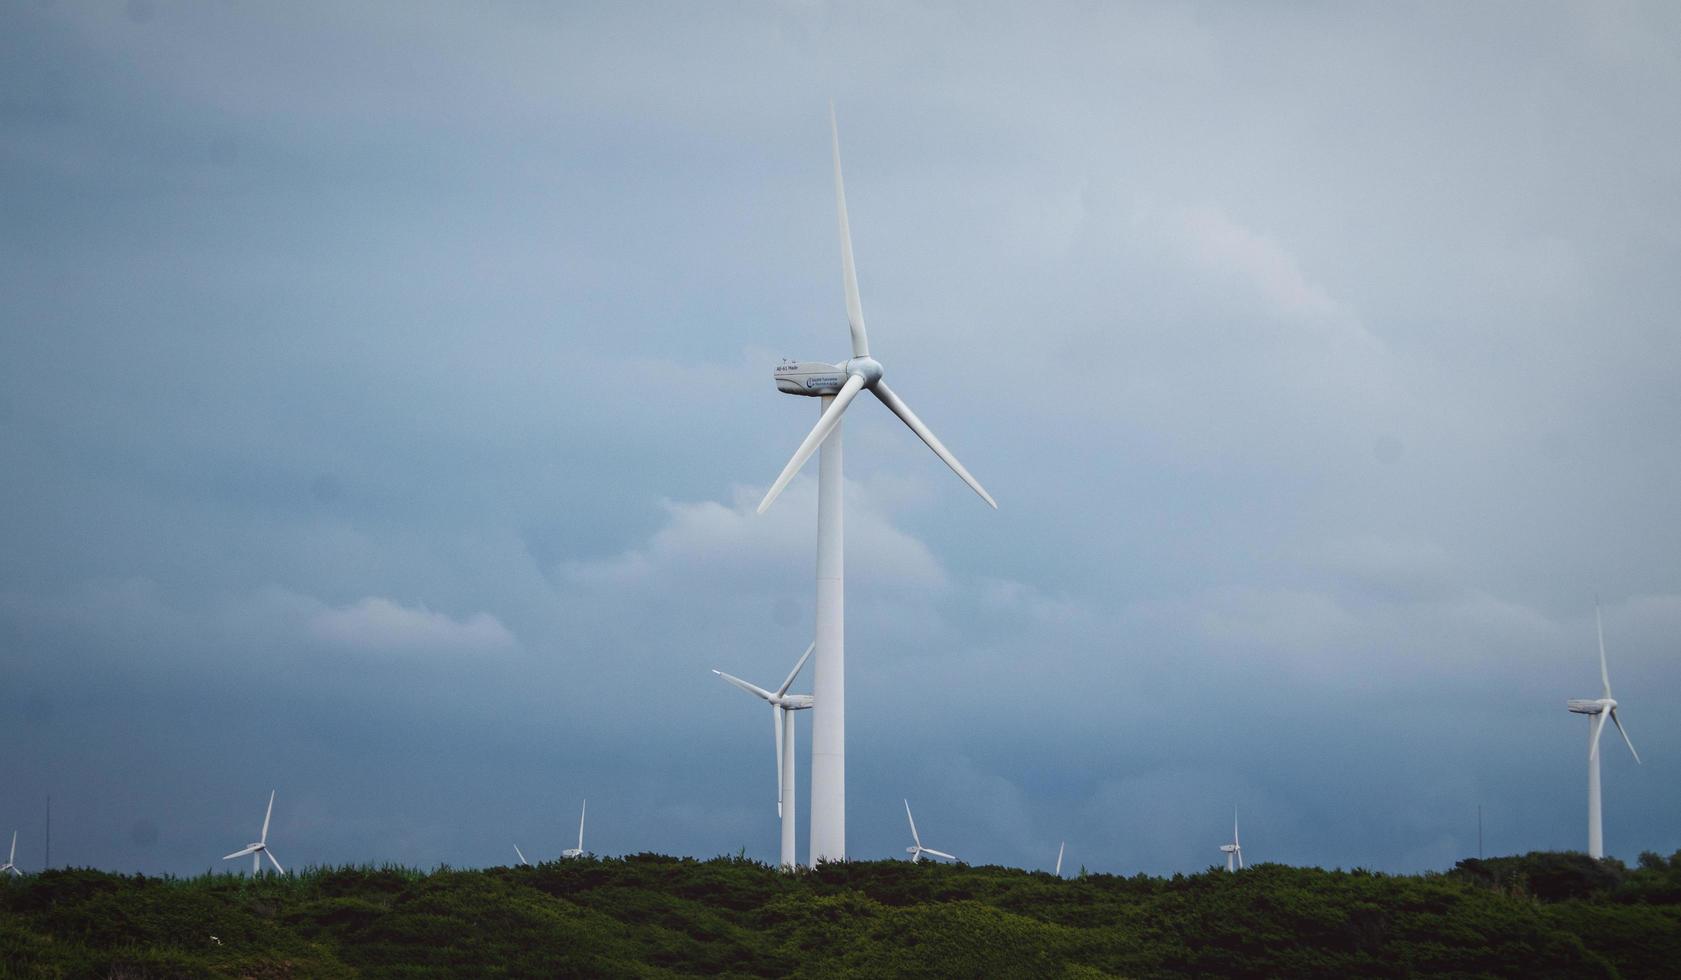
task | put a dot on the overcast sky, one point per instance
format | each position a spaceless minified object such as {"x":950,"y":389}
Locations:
{"x":385,"y":391}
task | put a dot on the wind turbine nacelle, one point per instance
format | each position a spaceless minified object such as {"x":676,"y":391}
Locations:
{"x":814,"y":378}
{"x":1585,"y":706}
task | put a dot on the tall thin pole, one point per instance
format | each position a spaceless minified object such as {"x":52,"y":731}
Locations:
{"x":828,"y":687}
{"x":790,"y":811}
{"x":1596,"y":832}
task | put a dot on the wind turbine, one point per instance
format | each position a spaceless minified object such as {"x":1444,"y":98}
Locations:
{"x":916,"y":850}
{"x":259,"y":850}
{"x":1600,"y":708}
{"x":781,"y":702}
{"x":575,"y":852}
{"x":521,"y":854}
{"x":1234,"y":850}
{"x":1059,"y":848}
{"x":836,"y":385}
{"x":11,"y":862}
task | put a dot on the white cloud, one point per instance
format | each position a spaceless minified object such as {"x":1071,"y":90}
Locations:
{"x":1391,"y":567}
{"x":380,"y":625}
{"x":1260,"y":264}
{"x":1282,"y":622}
{"x":707,"y":545}
{"x":1020,"y":599}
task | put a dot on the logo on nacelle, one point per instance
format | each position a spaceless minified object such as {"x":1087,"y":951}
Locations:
{"x":809,"y":378}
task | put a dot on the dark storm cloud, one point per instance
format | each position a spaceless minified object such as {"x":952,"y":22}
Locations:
{"x":385,"y":393}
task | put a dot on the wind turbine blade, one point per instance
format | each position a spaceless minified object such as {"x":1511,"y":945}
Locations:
{"x":239,"y":853}
{"x":1234,"y":826}
{"x":269,"y":813}
{"x":776,"y":722}
{"x":1604,"y":674}
{"x":749,"y":688}
{"x":270,"y":855}
{"x":898,"y":407}
{"x":521,"y":854}
{"x":1059,"y":848}
{"x":1614,"y":720}
{"x":796,"y":671}
{"x":825,"y":424}
{"x":13,"y":858}
{"x":1598,"y":730}
{"x":930,"y":850}
{"x":912,"y":819}
{"x":582,"y":811}
{"x":849,"y":272}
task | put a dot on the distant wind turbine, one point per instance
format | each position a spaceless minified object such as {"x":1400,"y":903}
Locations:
{"x":781,"y":702}
{"x":1234,"y":850}
{"x":1600,"y":708}
{"x":259,"y":850}
{"x":11,"y":862}
{"x":1059,"y":848}
{"x":521,"y":854}
{"x":573,"y":852}
{"x":916,"y":850}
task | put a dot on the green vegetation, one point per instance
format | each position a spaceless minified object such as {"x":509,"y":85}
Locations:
{"x":1541,"y":915}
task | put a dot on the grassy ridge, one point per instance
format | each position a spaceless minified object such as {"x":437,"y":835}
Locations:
{"x":1541,"y":915}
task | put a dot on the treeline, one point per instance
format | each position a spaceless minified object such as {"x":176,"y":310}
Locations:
{"x":1540,"y":915}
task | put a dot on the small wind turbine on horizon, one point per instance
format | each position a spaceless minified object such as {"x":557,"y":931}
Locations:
{"x":1598,"y":709}
{"x":1234,"y":850}
{"x":11,"y":860}
{"x":573,"y":852}
{"x":259,"y":849}
{"x":836,"y":385}
{"x":781,"y":702}
{"x":916,"y":850}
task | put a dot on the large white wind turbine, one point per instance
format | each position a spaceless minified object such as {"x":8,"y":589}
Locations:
{"x":1234,"y":850}
{"x":781,"y":702}
{"x":1599,"y":709}
{"x":11,"y":860}
{"x":578,"y":852}
{"x":837,"y":385}
{"x":916,"y":850}
{"x":259,"y":849}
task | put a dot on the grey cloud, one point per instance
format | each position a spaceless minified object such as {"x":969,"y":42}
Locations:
{"x":1320,"y":360}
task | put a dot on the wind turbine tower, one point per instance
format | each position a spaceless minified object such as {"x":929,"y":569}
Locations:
{"x":1598,"y":709}
{"x":578,"y":852}
{"x":916,"y":850}
{"x":258,"y":849}
{"x":1234,"y":850}
{"x":781,"y":703}
{"x":12,"y":860}
{"x":836,"y":385}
